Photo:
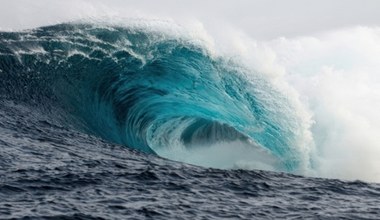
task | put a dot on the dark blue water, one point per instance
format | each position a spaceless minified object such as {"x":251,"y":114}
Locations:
{"x":87,"y":112}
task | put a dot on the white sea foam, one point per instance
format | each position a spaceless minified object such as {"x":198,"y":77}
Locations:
{"x":335,"y":76}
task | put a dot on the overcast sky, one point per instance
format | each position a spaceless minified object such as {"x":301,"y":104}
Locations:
{"x":261,"y":19}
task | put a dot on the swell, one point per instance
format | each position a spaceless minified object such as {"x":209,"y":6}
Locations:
{"x":149,"y":90}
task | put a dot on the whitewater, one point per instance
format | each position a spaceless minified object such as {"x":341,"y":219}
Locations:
{"x":141,"y":116}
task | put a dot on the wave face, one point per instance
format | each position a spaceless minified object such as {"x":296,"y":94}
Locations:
{"x":154,"y":92}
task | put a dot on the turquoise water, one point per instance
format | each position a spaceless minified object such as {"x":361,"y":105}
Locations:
{"x":160,"y":94}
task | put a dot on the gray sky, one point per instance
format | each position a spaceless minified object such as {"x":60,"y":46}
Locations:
{"x":261,"y":19}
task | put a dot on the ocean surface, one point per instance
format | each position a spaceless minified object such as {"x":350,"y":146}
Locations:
{"x":101,"y":121}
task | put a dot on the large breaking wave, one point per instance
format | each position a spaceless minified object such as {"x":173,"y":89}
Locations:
{"x":156,"y":92}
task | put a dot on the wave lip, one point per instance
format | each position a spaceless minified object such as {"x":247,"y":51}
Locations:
{"x":154,"y":92}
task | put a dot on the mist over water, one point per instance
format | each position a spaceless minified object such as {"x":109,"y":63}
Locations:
{"x":330,"y":77}
{"x":336,"y":75}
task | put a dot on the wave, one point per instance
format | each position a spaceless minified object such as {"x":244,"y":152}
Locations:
{"x":154,"y":91}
